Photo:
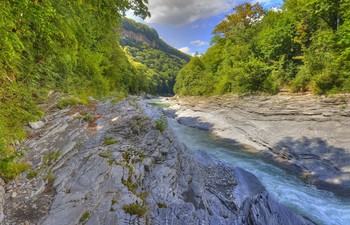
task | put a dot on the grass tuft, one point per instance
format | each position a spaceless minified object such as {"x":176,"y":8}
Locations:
{"x":135,"y":209}
{"x":10,"y":170}
{"x":32,"y":174}
{"x":84,"y":218}
{"x":162,"y":124}
{"x":63,"y":103}
{"x":110,"y":141}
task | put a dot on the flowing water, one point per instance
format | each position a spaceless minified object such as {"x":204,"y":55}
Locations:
{"x":322,"y":207}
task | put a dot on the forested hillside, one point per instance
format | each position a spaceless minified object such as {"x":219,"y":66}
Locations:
{"x":145,"y":46}
{"x":66,"y":46}
{"x":304,"y":46}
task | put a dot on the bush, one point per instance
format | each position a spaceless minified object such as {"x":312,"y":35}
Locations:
{"x":63,"y":103}
{"x":10,"y":170}
{"x":50,"y":177}
{"x":32,"y":174}
{"x":110,"y":141}
{"x":85,"y":217}
{"x":135,"y":209}
{"x":162,"y":124}
{"x":302,"y":80}
{"x":51,"y":157}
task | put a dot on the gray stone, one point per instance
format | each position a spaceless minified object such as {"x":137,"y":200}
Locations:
{"x":14,"y":195}
{"x":68,"y":147}
{"x":303,"y":134}
{"x":36,"y":125}
{"x":142,"y":170}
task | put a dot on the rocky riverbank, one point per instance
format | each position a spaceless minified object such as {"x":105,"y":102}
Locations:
{"x":305,"y":134}
{"x":117,"y":163}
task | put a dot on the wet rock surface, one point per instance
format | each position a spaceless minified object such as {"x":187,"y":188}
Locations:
{"x":120,"y":168}
{"x":304,"y":134}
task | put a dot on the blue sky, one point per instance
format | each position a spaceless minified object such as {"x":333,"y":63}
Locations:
{"x":187,"y":24}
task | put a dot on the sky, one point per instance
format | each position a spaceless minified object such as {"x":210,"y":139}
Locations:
{"x":187,"y":24}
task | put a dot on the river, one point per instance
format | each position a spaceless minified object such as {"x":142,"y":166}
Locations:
{"x":322,"y":207}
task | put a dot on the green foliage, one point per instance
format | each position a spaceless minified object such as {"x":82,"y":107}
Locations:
{"x":63,"y":103}
{"x":119,"y":96}
{"x":161,"y":205}
{"x":50,"y":177}
{"x":193,"y":79}
{"x":135,"y":209}
{"x":10,"y":170}
{"x":67,"y":46}
{"x":106,"y":155}
{"x":162,"y":124}
{"x":84,"y":218}
{"x":163,"y":62}
{"x":110,"y":141}
{"x":88,"y":118}
{"x":304,"y":46}
{"x":130,"y":184}
{"x":32,"y":174}
{"x":51,"y":157}
{"x":151,"y":36}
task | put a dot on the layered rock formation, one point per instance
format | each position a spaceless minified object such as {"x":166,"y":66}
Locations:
{"x":124,"y":167}
{"x":304,"y":133}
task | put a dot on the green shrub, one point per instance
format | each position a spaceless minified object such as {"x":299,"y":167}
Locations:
{"x":162,"y":124}
{"x":32,"y":174}
{"x":88,"y":118}
{"x":10,"y":170}
{"x":110,"y":141}
{"x":106,"y":155}
{"x":63,"y":103}
{"x":135,"y":209}
{"x":51,"y":157}
{"x":130,"y":184}
{"x":301,"y":81}
{"x":50,"y":177}
{"x":161,"y":205}
{"x":119,"y":96}
{"x":84,"y":218}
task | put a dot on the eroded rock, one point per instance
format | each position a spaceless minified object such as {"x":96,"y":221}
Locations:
{"x":125,"y":171}
{"x":305,"y":134}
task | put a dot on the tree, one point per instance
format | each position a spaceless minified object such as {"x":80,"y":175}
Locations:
{"x":328,"y":11}
{"x":61,"y":45}
{"x":244,"y":16}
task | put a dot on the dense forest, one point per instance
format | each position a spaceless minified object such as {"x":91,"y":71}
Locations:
{"x":162,"y":60}
{"x":304,"y":46}
{"x":59,"y":45}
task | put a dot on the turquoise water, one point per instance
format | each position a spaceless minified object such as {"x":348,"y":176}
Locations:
{"x":320,"y":206}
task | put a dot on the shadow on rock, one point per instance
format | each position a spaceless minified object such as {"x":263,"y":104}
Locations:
{"x":195,"y":122}
{"x":325,"y":166}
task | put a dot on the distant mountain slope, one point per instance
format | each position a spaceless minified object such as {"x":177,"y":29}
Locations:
{"x":145,"y":46}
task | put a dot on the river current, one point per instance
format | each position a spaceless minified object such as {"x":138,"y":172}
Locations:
{"x":320,"y":206}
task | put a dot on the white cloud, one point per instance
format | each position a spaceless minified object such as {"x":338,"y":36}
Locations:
{"x":185,"y":50}
{"x":182,"y":12}
{"x":130,"y":15}
{"x":199,"y":43}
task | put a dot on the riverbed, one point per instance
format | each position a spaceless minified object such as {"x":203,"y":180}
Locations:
{"x":322,"y":207}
